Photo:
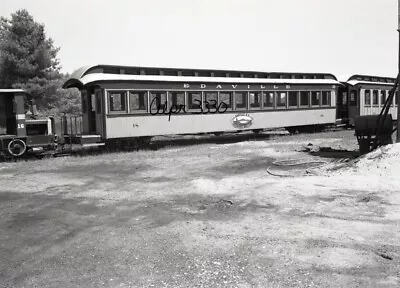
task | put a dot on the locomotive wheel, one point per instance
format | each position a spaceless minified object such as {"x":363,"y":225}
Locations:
{"x":16,"y":147}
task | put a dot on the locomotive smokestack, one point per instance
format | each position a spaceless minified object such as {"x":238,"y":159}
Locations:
{"x":34,"y":108}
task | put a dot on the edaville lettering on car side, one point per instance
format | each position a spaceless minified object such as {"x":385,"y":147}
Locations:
{"x":234,"y":86}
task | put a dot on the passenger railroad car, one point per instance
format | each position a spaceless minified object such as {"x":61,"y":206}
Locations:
{"x":124,"y":103}
{"x":364,"y":95}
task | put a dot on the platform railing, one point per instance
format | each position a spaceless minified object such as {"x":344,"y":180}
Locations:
{"x":71,"y":129}
{"x":71,"y":125}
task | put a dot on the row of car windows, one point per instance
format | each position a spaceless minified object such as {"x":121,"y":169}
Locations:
{"x":371,"y":97}
{"x":143,"y":101}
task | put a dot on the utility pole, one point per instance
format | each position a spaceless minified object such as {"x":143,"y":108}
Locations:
{"x":397,"y":92}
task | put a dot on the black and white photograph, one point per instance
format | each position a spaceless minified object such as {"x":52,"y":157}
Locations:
{"x":189,"y":143}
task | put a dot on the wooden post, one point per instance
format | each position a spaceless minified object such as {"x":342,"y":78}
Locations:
{"x":397,"y":93}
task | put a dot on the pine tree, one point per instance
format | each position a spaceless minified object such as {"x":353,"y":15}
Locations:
{"x":28,"y":59}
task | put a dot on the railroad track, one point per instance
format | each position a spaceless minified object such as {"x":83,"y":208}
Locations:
{"x":160,"y":142}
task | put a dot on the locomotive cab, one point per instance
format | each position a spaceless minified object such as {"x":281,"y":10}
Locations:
{"x":12,"y":116}
{"x":18,"y":134}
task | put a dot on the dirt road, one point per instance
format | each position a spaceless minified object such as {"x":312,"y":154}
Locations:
{"x":206,"y":215}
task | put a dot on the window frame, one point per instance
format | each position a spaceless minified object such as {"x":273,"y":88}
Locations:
{"x":150,"y":99}
{"x":116,"y":91}
{"x":264,"y":95}
{"x":259,"y":97}
{"x":246,"y":97}
{"x":309,"y":99}
{"x":373,"y":97}
{"x":204,"y":100}
{"x":169,"y":99}
{"x":189,"y":109}
{"x":297,"y":99}
{"x":277,"y":94}
{"x":329,"y":96}
{"x":319,"y":92}
{"x":344,"y":99}
{"x":230,"y":99}
{"x":350,"y":101}
{"x":365,"y":98}
{"x":147,"y":97}
{"x":394,"y":96}
{"x":383,"y":93}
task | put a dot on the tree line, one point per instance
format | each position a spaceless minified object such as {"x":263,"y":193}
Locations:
{"x":28,"y":60}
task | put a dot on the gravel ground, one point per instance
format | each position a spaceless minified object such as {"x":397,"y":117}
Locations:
{"x":205,"y":215}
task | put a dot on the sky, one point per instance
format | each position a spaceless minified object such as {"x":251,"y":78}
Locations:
{"x":330,"y":36}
